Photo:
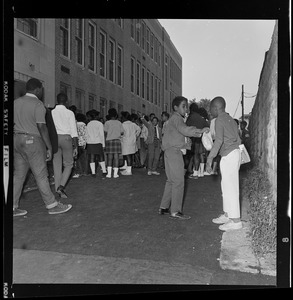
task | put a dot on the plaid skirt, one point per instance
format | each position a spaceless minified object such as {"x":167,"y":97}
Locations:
{"x":113,"y":146}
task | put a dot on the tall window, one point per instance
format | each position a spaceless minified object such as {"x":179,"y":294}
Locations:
{"x":65,"y":37}
{"x":166,"y":72}
{"x":132,"y":66}
{"x":79,"y":100}
{"x":102,"y":54}
{"x":148,"y":41}
{"x":92,"y":46}
{"x":159,"y":92}
{"x":143,"y":82}
{"x":156,"y":50}
{"x":112,"y":61}
{"x":148,"y":86}
{"x":119,"y":65}
{"x":66,"y":89}
{"x":159,"y":53}
{"x":152,"y":46}
{"x":79,"y":40}
{"x":138,"y":78}
{"x":132,"y":32}
{"x":156,"y":90}
{"x":103,"y":107}
{"x":92,"y":100}
{"x":152,"y":88}
{"x":28,"y":26}
{"x":137,"y":34}
{"x":143,"y":35}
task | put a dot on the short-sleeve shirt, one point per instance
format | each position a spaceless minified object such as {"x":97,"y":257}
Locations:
{"x":114,"y":129}
{"x":28,"y":111}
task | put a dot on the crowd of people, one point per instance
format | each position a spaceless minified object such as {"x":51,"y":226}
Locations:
{"x":85,"y":144}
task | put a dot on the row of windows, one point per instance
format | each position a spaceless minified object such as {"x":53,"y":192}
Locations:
{"x":82,"y":107}
{"x":145,"y":38}
{"x":144,"y":83}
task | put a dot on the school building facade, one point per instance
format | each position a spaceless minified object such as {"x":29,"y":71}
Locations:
{"x":129,"y":64}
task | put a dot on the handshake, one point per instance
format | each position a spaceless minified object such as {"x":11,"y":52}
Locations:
{"x":199,"y":132}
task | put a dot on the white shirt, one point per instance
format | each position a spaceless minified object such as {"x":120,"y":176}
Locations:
{"x":96,"y":134}
{"x":64,"y":121}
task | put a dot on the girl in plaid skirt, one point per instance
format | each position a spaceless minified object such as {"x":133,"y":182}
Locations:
{"x":113,"y":131}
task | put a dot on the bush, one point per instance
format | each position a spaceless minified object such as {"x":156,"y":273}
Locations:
{"x":262,"y":211}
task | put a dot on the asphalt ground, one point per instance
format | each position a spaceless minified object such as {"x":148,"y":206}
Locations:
{"x":114,"y":235}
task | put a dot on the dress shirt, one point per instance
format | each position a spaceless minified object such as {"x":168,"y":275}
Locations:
{"x":64,"y":120}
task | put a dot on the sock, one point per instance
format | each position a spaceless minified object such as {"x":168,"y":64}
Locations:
{"x":109,"y":172}
{"x":195,"y":173}
{"x":115,"y":172}
{"x":128,"y":169}
{"x":201,"y":168}
{"x":125,"y":165}
{"x":93,"y":167}
{"x":103,"y":166}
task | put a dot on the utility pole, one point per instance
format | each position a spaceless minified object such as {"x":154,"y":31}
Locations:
{"x":242,"y":102}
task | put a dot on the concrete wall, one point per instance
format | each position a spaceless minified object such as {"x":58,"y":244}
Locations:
{"x":263,"y":121}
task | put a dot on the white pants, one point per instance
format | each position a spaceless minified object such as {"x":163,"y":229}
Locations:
{"x":229,"y":167}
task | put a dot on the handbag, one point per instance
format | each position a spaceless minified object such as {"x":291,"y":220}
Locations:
{"x":244,"y":156}
{"x":207,"y":140}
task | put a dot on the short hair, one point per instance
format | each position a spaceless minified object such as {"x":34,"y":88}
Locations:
{"x":164,"y":113}
{"x":125,"y":115}
{"x":202,"y":111}
{"x":177,"y":101}
{"x":155,"y":118}
{"x":73,"y":108}
{"x":219,"y":102}
{"x":80,"y":117}
{"x":62,"y":98}
{"x":193,"y":107}
{"x":93,"y":114}
{"x":244,"y":123}
{"x":33,"y":84}
{"x":152,"y":114}
{"x":112,"y":113}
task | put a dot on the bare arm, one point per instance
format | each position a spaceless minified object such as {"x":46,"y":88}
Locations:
{"x":42,"y":127}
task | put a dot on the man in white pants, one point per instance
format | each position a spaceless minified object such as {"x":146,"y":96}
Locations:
{"x":227,"y":143}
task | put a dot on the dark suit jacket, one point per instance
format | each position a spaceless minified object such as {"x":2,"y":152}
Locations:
{"x":52,"y":130}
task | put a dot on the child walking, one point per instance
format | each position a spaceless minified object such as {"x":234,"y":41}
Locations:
{"x":95,"y":142}
{"x":113,"y":131}
{"x":174,"y":140}
{"x":128,"y":141}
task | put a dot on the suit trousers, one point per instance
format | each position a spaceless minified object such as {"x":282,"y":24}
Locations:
{"x":153,"y":156}
{"x":63,"y":158}
{"x":174,"y":188}
{"x":229,"y":167}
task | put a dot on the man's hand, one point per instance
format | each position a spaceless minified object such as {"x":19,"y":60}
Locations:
{"x":209,"y":165}
{"x":205,"y":129}
{"x":49,"y":155}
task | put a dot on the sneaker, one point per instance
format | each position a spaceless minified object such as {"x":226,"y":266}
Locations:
{"x":180,"y":216}
{"x":155,"y":173}
{"x":60,"y":191}
{"x":19,"y":212}
{"x":193,"y":176}
{"x":150,"y":172}
{"x":115,"y":176}
{"x":126,"y":173}
{"x":222,"y":219}
{"x":59,"y":209}
{"x":75,"y":176}
{"x":231,"y":226}
{"x":207,"y":173}
{"x":163,"y":211}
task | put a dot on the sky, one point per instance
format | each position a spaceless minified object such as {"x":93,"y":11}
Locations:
{"x":219,"y":56}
